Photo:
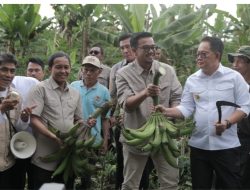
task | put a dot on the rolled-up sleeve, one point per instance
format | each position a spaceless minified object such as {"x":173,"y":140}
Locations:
{"x":123,"y":89}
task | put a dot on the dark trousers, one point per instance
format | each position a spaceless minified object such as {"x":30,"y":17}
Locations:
{"x":144,"y":184}
{"x":7,"y":179}
{"x":41,"y":176}
{"x":245,"y":161}
{"x":224,"y":163}
{"x":22,"y":167}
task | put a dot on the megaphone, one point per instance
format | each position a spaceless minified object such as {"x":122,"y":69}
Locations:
{"x":23,"y":145}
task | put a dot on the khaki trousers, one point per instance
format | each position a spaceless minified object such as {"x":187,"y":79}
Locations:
{"x":134,"y":165}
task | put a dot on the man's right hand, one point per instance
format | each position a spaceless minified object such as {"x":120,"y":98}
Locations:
{"x":8,"y":104}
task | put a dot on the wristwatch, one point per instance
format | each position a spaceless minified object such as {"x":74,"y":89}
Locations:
{"x":229,"y":124}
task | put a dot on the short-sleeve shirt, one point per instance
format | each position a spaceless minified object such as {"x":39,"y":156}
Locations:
{"x":56,"y":108}
{"x":93,"y":98}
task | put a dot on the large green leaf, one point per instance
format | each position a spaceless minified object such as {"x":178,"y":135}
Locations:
{"x":137,"y":17}
{"x":124,"y":16}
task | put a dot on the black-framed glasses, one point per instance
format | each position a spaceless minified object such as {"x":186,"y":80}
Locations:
{"x":202,"y":55}
{"x":95,"y":52}
{"x":147,"y":48}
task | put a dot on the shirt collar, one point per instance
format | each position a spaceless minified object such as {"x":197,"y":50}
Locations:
{"x":93,"y":87}
{"x":219,"y":71}
{"x":54,"y":85}
{"x":141,"y":70}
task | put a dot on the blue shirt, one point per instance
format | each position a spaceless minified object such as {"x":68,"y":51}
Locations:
{"x":93,"y":98}
{"x":199,"y":97}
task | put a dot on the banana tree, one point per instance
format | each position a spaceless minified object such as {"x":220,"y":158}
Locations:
{"x":175,"y":30}
{"x":20,"y":23}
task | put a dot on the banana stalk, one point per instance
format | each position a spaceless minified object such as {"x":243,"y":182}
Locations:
{"x":156,"y":78}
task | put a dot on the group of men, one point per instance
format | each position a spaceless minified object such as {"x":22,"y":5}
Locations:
{"x":57,"y":103}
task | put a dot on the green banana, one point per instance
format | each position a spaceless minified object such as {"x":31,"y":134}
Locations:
{"x":148,"y":147}
{"x":143,"y":134}
{"x":126,"y":134}
{"x":172,"y":144}
{"x":70,"y":140}
{"x":73,"y":130}
{"x":59,"y":154}
{"x":68,"y":171}
{"x":135,"y":142}
{"x":185,"y":131}
{"x":167,"y":154}
{"x":157,"y":137}
{"x":164,"y":138}
{"x":176,"y":154}
{"x":89,"y":142}
{"x":97,"y":145}
{"x":170,"y":128}
{"x":61,"y":166}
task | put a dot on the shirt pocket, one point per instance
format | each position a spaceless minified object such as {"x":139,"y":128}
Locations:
{"x":165,"y":91}
{"x":98,"y":101}
{"x":52,"y":104}
{"x":225,"y":91}
{"x":199,"y":94}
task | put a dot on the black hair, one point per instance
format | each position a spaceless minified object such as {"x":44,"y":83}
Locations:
{"x":37,"y":61}
{"x":137,"y":36}
{"x":124,"y":36}
{"x":56,"y":55}
{"x":8,"y":58}
{"x":216,"y":45}
{"x":100,"y":46}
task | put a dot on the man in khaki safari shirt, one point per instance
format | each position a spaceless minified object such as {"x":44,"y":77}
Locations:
{"x":134,"y":92}
{"x":58,"y":105}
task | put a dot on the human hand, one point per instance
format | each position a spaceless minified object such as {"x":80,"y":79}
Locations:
{"x":152,"y":90}
{"x":91,"y":122}
{"x":26,"y":112}
{"x":220,"y":127}
{"x":8,"y":104}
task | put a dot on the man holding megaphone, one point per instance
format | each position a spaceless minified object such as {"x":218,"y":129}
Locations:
{"x":10,"y":116}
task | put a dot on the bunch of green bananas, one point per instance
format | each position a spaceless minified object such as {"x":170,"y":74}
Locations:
{"x":158,"y":134}
{"x":78,"y":147}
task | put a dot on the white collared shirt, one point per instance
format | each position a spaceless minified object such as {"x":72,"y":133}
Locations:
{"x":23,"y":85}
{"x":199,"y":97}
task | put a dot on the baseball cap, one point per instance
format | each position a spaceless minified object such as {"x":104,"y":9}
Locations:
{"x":92,"y":60}
{"x":243,"y":51}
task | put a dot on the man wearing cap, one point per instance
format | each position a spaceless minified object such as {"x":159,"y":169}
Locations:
{"x":241,"y":63}
{"x":93,"y":95}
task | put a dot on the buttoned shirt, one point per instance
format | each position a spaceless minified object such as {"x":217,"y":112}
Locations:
{"x":199,"y":97}
{"x":132,"y":79}
{"x":103,"y":78}
{"x":23,"y":85}
{"x":93,"y":98}
{"x":7,"y":159}
{"x":56,"y":108}
{"x":114,"y":69}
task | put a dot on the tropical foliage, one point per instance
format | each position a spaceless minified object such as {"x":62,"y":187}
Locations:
{"x":177,"y":29}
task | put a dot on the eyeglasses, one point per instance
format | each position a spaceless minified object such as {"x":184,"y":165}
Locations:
{"x":95,"y":52}
{"x":147,"y":48}
{"x":202,"y":55}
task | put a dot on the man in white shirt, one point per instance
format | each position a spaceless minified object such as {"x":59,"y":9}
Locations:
{"x":211,"y":152}
{"x":23,"y":85}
